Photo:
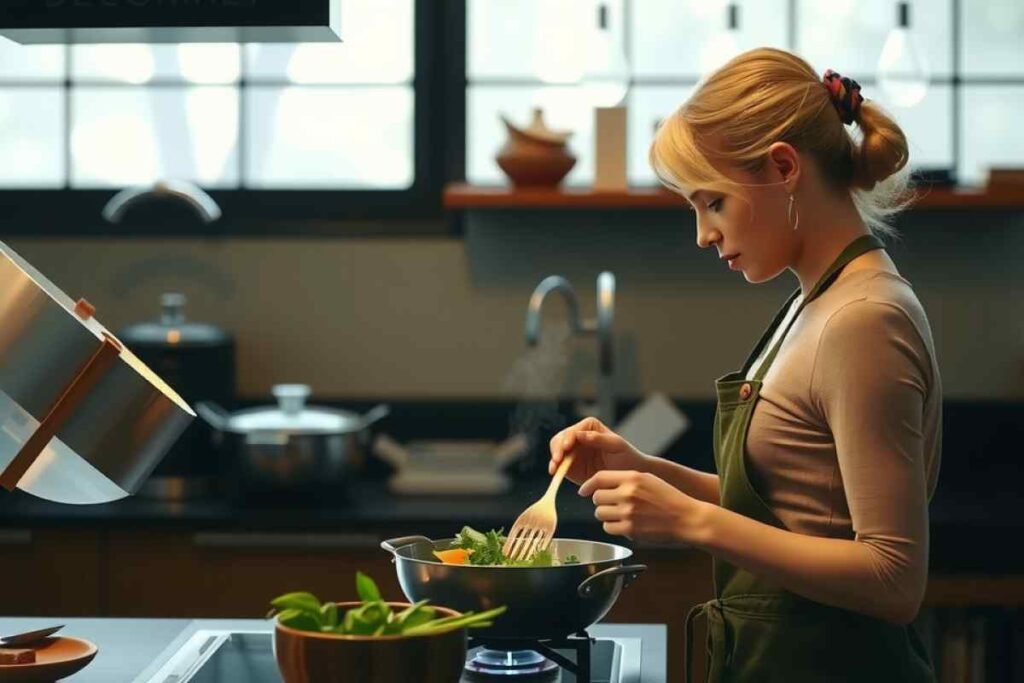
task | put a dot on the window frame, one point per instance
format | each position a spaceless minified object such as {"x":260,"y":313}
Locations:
{"x":957,"y":81}
{"x":439,"y":104}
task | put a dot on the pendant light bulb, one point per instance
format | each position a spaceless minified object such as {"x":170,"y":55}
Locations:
{"x":903,"y":69}
{"x":725,"y":44}
{"x":606,"y":79}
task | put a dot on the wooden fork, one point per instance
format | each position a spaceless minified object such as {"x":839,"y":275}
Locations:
{"x":535,"y":528}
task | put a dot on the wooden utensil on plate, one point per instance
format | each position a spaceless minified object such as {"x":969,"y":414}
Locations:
{"x":534,"y":529}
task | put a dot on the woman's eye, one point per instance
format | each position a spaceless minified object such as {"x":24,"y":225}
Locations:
{"x":715,"y":205}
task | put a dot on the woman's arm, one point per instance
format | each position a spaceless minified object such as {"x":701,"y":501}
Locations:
{"x":700,"y":485}
{"x":838,"y":572}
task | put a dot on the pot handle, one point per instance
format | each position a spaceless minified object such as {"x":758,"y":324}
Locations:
{"x":630,"y":573}
{"x":213,"y":415}
{"x":376,"y":413}
{"x":393,"y":544}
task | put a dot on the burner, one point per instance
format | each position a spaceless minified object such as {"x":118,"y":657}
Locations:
{"x":518,"y":664}
{"x":529,"y":658}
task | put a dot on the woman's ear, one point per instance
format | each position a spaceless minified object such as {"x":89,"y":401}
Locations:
{"x":786,"y":161}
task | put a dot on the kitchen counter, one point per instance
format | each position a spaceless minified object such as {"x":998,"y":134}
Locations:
{"x":969,"y":533}
{"x":132,"y":650}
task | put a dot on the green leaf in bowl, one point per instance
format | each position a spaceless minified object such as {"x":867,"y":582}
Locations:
{"x":302,"y":601}
{"x":366,"y":589}
{"x":366,"y":619}
{"x":328,"y":616}
{"x":415,"y":615}
{"x":297,"y":619}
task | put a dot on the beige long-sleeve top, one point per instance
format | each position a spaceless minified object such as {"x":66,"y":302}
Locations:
{"x":846,"y":439}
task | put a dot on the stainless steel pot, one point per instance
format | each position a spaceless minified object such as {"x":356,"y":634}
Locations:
{"x":543,"y":602}
{"x":290,"y":446}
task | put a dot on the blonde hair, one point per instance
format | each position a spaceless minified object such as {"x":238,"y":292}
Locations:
{"x":768,"y":95}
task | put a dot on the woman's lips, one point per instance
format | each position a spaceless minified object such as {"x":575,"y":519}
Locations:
{"x":730,"y":259}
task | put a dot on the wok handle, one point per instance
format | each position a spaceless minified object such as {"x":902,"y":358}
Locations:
{"x":630,"y":573}
{"x":393,"y":544}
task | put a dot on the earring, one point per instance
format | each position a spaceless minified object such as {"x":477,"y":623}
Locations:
{"x":793,"y":210}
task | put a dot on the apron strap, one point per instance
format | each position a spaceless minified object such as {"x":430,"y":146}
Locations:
{"x":858,"y":247}
{"x":716,"y":633}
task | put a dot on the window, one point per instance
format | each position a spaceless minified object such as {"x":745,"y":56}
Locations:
{"x":520,"y":55}
{"x":282,"y":127}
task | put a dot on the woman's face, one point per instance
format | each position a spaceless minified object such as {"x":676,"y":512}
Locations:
{"x":756,"y":239}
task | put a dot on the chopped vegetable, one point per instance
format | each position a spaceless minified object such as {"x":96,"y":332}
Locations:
{"x":454,"y":556}
{"x":484,"y":549}
{"x":373,"y":617}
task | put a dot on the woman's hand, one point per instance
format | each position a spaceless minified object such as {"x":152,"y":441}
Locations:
{"x":641,"y":506}
{"x":594,"y":448}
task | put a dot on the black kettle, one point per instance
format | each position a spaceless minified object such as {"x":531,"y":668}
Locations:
{"x":198,"y":361}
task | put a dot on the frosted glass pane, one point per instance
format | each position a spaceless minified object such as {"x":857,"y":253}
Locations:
{"x":648,"y":105}
{"x":329,"y":137}
{"x":378,"y":46}
{"x":33,"y":62}
{"x":32,"y":137}
{"x":533,"y":39}
{"x":683,"y":38}
{"x":928,"y":127}
{"x":848,"y":35}
{"x":485,"y":134}
{"x":189,"y":63}
{"x":123,"y":136}
{"x":991,"y":133}
{"x":993,"y":37}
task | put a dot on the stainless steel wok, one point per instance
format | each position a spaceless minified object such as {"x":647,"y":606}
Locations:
{"x":543,"y":602}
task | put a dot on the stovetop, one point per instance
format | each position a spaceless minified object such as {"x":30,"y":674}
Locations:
{"x":229,"y":656}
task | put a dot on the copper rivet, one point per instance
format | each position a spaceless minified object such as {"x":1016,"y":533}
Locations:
{"x":84,"y":309}
{"x":745,"y":392}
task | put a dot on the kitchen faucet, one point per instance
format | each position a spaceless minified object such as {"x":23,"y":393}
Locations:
{"x":202,"y":203}
{"x":600,"y":326}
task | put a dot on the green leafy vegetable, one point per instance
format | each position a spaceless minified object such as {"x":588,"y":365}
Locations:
{"x":373,"y":617}
{"x":366,"y":589}
{"x":485,"y":550}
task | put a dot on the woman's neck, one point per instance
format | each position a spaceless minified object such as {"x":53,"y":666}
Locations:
{"x":828,"y":228}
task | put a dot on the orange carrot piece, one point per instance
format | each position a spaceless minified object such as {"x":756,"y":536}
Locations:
{"x":453,"y":556}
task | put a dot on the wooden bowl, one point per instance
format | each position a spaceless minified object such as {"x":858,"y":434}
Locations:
{"x":56,"y":657}
{"x":309,"y":657}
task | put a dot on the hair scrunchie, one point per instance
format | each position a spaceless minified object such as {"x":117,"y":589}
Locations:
{"x":845,"y":95}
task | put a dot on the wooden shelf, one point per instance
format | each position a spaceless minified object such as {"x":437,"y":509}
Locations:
{"x":462,"y":196}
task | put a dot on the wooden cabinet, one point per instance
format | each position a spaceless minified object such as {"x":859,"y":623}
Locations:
{"x":235,"y":574}
{"x":50,"y":572}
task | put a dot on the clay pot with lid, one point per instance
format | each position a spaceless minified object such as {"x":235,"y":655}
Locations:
{"x":536,"y":156}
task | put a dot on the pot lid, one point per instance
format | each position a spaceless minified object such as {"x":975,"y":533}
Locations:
{"x":293,"y":416}
{"x":173,"y":329}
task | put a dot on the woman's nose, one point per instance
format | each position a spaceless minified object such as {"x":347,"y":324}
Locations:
{"x":707,"y":237}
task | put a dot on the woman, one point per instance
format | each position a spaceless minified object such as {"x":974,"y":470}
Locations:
{"x":827,"y":440}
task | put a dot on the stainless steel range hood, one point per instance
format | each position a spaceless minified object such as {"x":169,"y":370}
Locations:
{"x":170,"y":21}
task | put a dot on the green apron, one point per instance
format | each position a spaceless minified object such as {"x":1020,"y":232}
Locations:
{"x":757,"y":631}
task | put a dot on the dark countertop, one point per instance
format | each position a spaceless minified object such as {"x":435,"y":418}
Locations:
{"x":134,"y":649}
{"x":976,"y":512}
{"x":971,"y":525}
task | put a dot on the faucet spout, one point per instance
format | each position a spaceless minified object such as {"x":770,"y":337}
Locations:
{"x":601,"y":327}
{"x":552,"y":283}
{"x":200,"y":202}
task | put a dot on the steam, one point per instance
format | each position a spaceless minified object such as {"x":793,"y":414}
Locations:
{"x":538,"y":378}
